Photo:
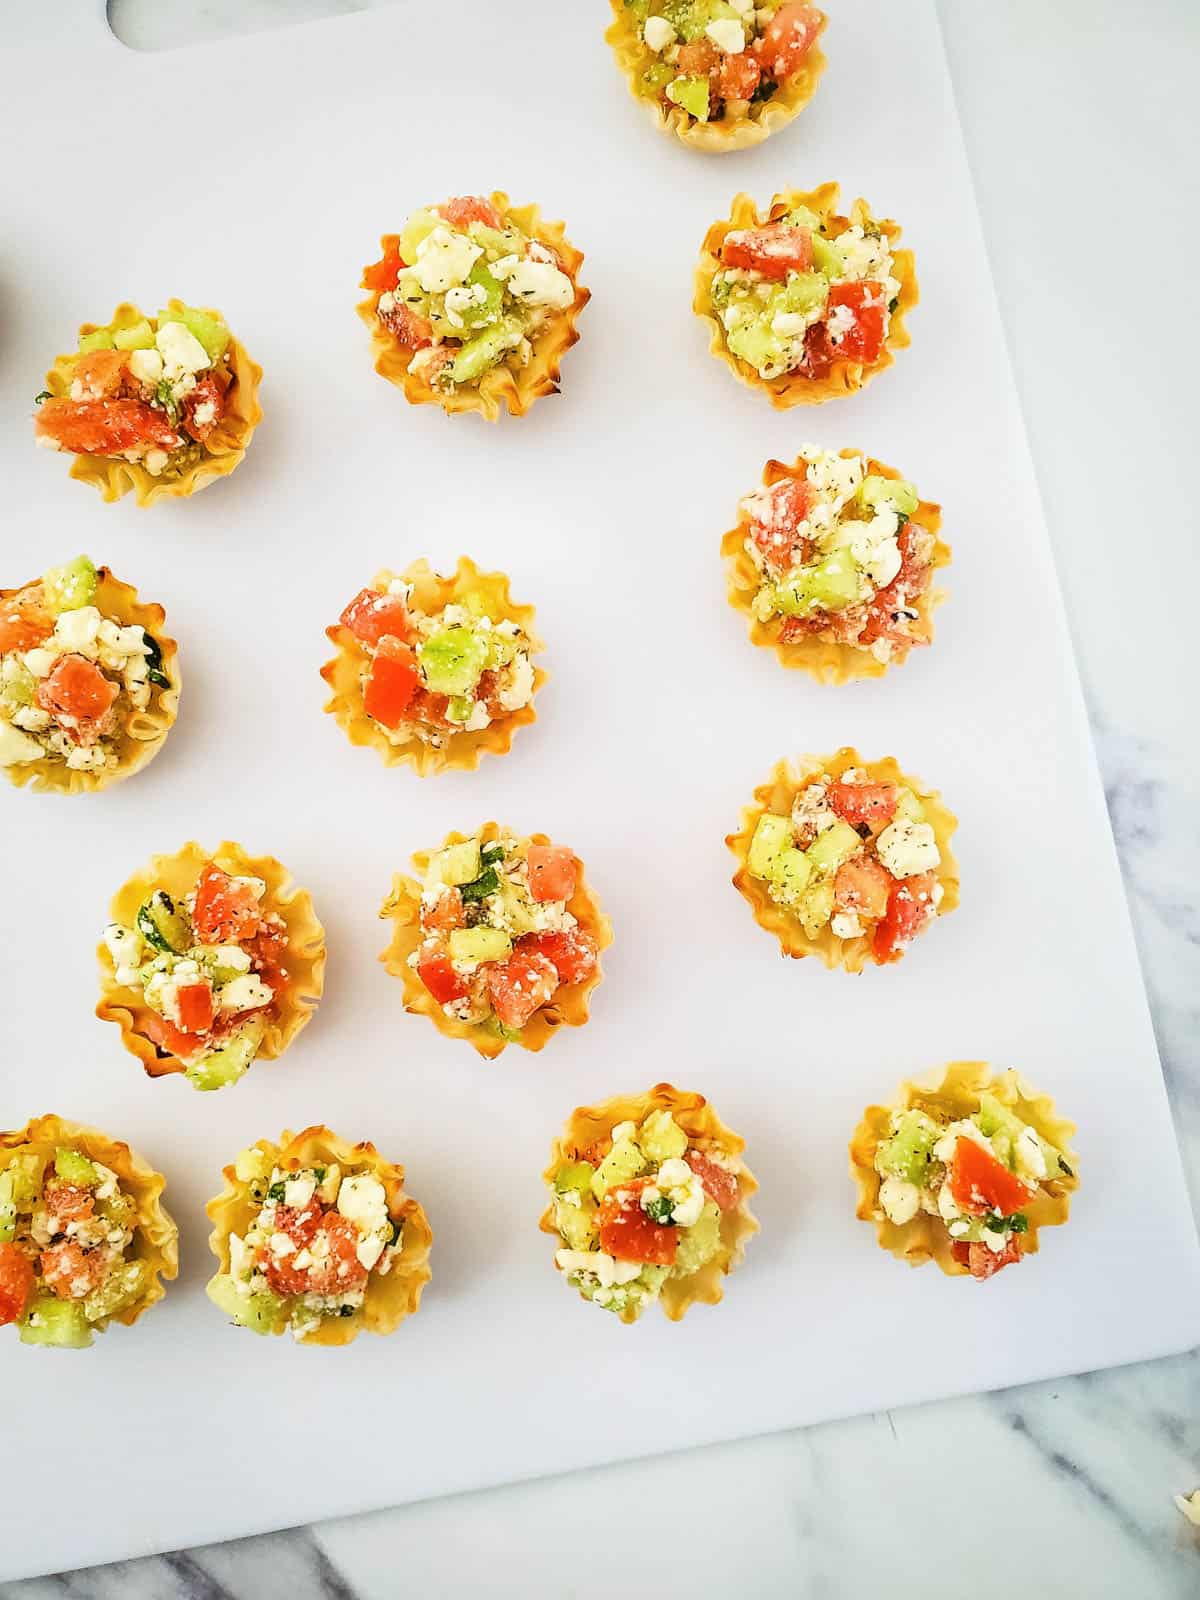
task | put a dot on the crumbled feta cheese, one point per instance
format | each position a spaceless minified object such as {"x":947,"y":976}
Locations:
{"x":154,"y":461}
{"x":363,"y":1200}
{"x":846,"y":925}
{"x":519,"y":691}
{"x":39,"y":661}
{"x":598,"y":1265}
{"x":540,"y":283}
{"x":146,"y":365}
{"x":182,"y":353}
{"x":245,"y":993}
{"x":1029,"y":1155}
{"x":900,"y":1200}
{"x":658,"y":33}
{"x":444,"y":258}
{"x":787,"y":324}
{"x":231,"y":956}
{"x":298,"y":1191}
{"x":76,"y":630}
{"x":280,"y":1245}
{"x":125,"y":946}
{"x":728,"y":36}
{"x":907,"y":848}
{"x":623,"y":1130}
{"x":369,"y":1251}
{"x":836,"y":476}
{"x":32,"y":718}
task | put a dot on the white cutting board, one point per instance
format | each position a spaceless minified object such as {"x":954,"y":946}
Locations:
{"x":606,"y":505}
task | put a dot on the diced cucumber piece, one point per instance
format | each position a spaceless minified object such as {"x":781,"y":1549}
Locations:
{"x":57,"y":1323}
{"x":791,"y":874}
{"x":803,"y":291}
{"x":907,"y":805}
{"x":119,"y":1209}
{"x":661,"y":1138}
{"x":479,"y":944}
{"x":16,"y":747}
{"x":482,"y":352}
{"x":815,"y":906}
{"x":909,"y":1150}
{"x":162,"y":926}
{"x":19,"y":1185}
{"x":70,"y":586}
{"x":577,"y":1224}
{"x":18,"y":685}
{"x":120,"y":1289}
{"x":415,"y":231}
{"x":102,"y":339}
{"x":878,"y":491}
{"x":502,"y":648}
{"x":516,"y":908}
{"x":623,"y":1161}
{"x":772,"y":836}
{"x":755,"y":342}
{"x":138,"y":337}
{"x":802,"y":217}
{"x":222,"y":1067}
{"x":657,"y":76}
{"x":689,"y":18}
{"x":208,"y":331}
{"x":576,"y":1175}
{"x":457,"y":863}
{"x":262,"y":1313}
{"x":827,"y":258}
{"x":486,"y":311}
{"x":837,"y":844}
{"x":828,"y":585}
{"x":691,"y":94}
{"x":74,"y":1167}
{"x":459,"y":708}
{"x":452,"y":660}
{"x":700,"y":1242}
{"x":209,"y":956}
{"x":252,"y":1165}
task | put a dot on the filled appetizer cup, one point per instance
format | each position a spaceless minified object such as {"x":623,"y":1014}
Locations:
{"x":209,"y":961}
{"x":649,"y":1201}
{"x":832,"y":560}
{"x":317,"y":1237}
{"x":845,"y":859}
{"x":719,"y":74}
{"x":963,"y":1168}
{"x":84,"y":1238}
{"x":500,"y":940}
{"x":89,"y":682}
{"x":158,"y":405}
{"x":433,"y":670}
{"x":804,"y":302}
{"x":474,"y":305}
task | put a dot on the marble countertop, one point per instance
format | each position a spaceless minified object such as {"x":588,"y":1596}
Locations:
{"x":1064,"y":1486}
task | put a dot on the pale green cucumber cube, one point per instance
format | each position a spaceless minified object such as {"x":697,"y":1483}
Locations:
{"x":577,"y":1223}
{"x":457,"y":863}
{"x":699,"y":1243}
{"x":452,"y":661}
{"x":479,"y":944}
{"x":772,"y":836}
{"x":623,"y":1162}
{"x":59,"y":1324}
{"x":837,"y":844}
{"x":575,"y":1175}
{"x":909,"y":1150}
{"x":70,"y":586}
{"x":220,"y":1068}
{"x":139,"y":336}
{"x":74,"y":1167}
{"x":815,"y":906}
{"x":120,"y":1289}
{"x":102,"y":339}
{"x":482,"y":352}
{"x":661,"y":1138}
{"x":691,"y":94}
{"x":791,"y":874}
{"x":416,"y":230}
{"x":879,"y":491}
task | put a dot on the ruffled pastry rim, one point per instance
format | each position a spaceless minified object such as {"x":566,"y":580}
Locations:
{"x":777,"y":794}
{"x":432,"y":592}
{"x":156,"y":1239}
{"x":178,"y":874}
{"x":825,"y":660}
{"x":742,"y":132}
{"x":844,"y":377}
{"x":388,"y":1300}
{"x":222,"y":450}
{"x":145,"y":731}
{"x":501,"y":385}
{"x":570,"y":1005}
{"x":956,"y":1088}
{"x":700,"y":1122}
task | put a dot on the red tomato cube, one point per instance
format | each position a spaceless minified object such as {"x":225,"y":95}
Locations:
{"x":552,"y":872}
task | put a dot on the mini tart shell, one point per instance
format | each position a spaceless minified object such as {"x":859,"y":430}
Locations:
{"x":758,"y":121}
{"x":388,"y":1300}
{"x":156,"y":1238}
{"x":144,"y":732}
{"x":844,"y":377}
{"x":954,"y":1091}
{"x":569,"y":1006}
{"x":825,"y":660}
{"x":777,"y":794}
{"x":500,"y":385}
{"x":431,"y":594}
{"x":705,"y":1129}
{"x":178,"y":874}
{"x":221,"y":451}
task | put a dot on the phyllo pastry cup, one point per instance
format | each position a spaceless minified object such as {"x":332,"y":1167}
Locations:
{"x":805,"y":303}
{"x":649,"y":1200}
{"x":317,"y":1237}
{"x":84,"y":1237}
{"x":473,"y":306}
{"x":210,"y":961}
{"x":159,"y":405}
{"x":500,"y":942}
{"x":963,"y":1168}
{"x":832,"y":562}
{"x":89,"y":681}
{"x":845,"y":859}
{"x":434,"y":671}
{"x":726,"y":96}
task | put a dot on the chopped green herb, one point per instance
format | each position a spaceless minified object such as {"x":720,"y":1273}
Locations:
{"x":892,"y":304}
{"x":346,"y":1311}
{"x":1018,"y":1222}
{"x":45,"y":395}
{"x":154,"y":656}
{"x":766,"y":88}
{"x":1066,"y":1169}
{"x":487,"y":883}
{"x":395,"y":1234}
{"x":491,"y":854}
{"x":494,"y":1025}
{"x":320,"y":1172}
{"x":660,"y":1210}
{"x":164,"y":394}
{"x":275,"y":1192}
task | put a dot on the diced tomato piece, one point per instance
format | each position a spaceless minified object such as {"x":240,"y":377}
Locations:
{"x":776,"y":514}
{"x":979,"y":1182}
{"x":105,"y":427}
{"x":572,"y":954}
{"x":195,"y":1002}
{"x":446,"y":912}
{"x":439,"y":977}
{"x":225,"y":912}
{"x":697,"y":59}
{"x":470,"y":208}
{"x":430,"y":708}
{"x":168,"y":1037}
{"x":408,"y":327}
{"x":739,"y":76}
{"x":75,"y":688}
{"x":916,"y":554}
{"x":382,"y":275}
{"x":982,"y":1261}
{"x":332,"y":1242}
{"x":787,"y":39}
{"x":16,"y":1282}
{"x":24,"y":623}
{"x":552,"y":872}
{"x":372,"y":615}
{"x":910,"y":907}
{"x":719,"y":1184}
{"x":863,"y":339}
{"x":203,"y":407}
{"x":863,"y":802}
{"x":103,"y":373}
{"x":67,"y":1201}
{"x":391,"y":683}
{"x":818,"y":352}
{"x":862,"y":886}
{"x":72,"y":1272}
{"x":628,"y":1233}
{"x":268,"y":953}
{"x":520,"y":985}
{"x":773,"y":250}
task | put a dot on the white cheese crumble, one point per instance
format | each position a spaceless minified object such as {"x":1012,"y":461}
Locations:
{"x":907,"y":848}
{"x":728,"y":36}
{"x":658,"y":33}
{"x":900,"y":1200}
